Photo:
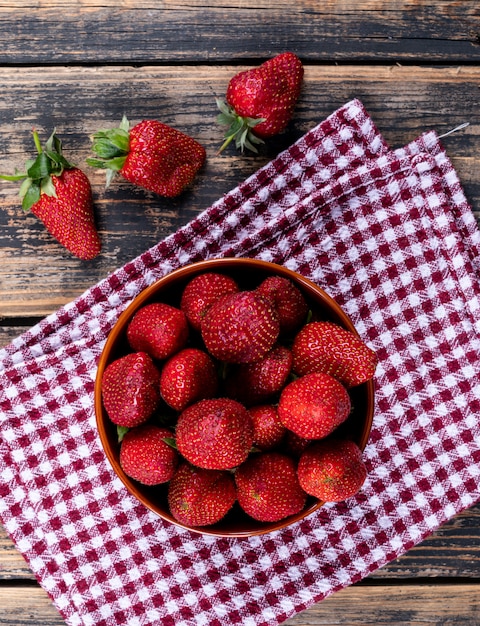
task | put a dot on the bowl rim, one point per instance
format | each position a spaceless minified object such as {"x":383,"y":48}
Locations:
{"x":183,"y":272}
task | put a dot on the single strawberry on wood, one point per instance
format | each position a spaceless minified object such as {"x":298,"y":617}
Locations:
{"x":332,"y":470}
{"x":151,"y":155}
{"x":60,"y":195}
{"x":200,"y":497}
{"x":260,"y":101}
{"x":146,"y":457}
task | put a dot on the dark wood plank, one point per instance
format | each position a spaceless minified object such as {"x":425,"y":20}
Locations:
{"x":37,"y":275}
{"x":415,"y":605}
{"x":12,"y":564}
{"x":147,"y":31}
{"x":359,"y":605}
{"x":27,"y":606}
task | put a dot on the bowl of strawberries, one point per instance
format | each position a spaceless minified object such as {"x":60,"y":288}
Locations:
{"x":234,"y":397}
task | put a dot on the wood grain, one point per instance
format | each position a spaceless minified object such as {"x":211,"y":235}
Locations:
{"x":104,"y":32}
{"x":362,"y":605}
{"x":412,"y":605}
{"x":37,"y":275}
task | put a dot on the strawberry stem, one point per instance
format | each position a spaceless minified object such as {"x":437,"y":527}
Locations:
{"x":224,"y":144}
{"x":239,"y":128}
{"x":36,"y":140}
{"x":13,"y":177}
{"x":111,"y":148}
{"x":37,"y":178}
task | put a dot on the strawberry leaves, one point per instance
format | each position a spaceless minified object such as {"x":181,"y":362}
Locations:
{"x":37,"y":178}
{"x":111,"y":147}
{"x":239,"y":128}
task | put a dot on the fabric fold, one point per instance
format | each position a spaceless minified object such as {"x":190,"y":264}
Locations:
{"x":390,"y":235}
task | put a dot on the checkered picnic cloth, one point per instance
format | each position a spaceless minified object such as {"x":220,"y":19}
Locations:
{"x":390,"y":235}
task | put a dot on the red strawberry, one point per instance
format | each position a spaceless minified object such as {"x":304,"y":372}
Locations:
{"x":203,"y":291}
{"x":146,"y":457}
{"x":327,"y":347}
{"x":294,"y":445}
{"x":288,"y":300}
{"x":130,"y":389}
{"x":151,"y":155}
{"x":215,"y":433}
{"x":60,"y":195}
{"x":188,"y":376}
{"x":332,"y":470}
{"x":158,"y":329}
{"x":268,"y":430}
{"x":267,"y":487}
{"x":240,"y":328}
{"x":314,"y":405}
{"x":260,"y":101}
{"x":256,"y":382}
{"x":200,"y":497}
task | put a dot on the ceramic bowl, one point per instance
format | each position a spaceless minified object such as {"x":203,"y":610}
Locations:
{"x":248,"y":273}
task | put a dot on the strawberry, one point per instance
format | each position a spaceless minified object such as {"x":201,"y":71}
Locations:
{"x":288,"y":300}
{"x":203,"y":291}
{"x":332,"y":470}
{"x":158,"y":329}
{"x":130,"y":389}
{"x":329,"y":348}
{"x":146,"y":457}
{"x":240,"y":328}
{"x":151,"y":155}
{"x":215,"y":433}
{"x":256,"y":382}
{"x":268,"y":430}
{"x":267,"y":487}
{"x":60,"y":195}
{"x":294,"y":445}
{"x":188,"y":376}
{"x":314,"y":405}
{"x":200,"y":497}
{"x":260,"y":101}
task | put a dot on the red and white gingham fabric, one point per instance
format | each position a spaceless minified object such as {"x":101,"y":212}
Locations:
{"x":390,"y":236}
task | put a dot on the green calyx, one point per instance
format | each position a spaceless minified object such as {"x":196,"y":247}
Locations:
{"x":37,"y":178}
{"x":121,"y":432}
{"x":111,"y":148}
{"x":239,"y":128}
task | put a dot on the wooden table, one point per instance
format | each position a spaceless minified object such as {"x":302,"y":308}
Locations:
{"x":79,"y":65}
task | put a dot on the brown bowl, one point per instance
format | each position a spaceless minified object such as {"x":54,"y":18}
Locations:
{"x":248,"y":273}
